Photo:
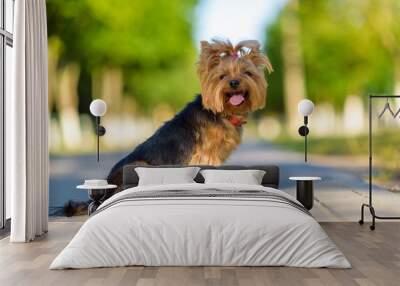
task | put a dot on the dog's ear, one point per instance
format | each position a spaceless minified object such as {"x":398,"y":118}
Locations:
{"x":212,"y":53}
{"x":208,"y":58}
{"x":251,"y":50}
{"x":204,"y":45}
{"x":253,"y":45}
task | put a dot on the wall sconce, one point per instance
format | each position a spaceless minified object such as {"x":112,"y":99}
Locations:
{"x":98,"y":108}
{"x":305,"y":108}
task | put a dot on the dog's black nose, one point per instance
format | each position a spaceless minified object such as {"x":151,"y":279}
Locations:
{"x":234,"y":83}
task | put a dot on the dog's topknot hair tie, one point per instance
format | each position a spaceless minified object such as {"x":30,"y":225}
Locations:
{"x":235,"y":55}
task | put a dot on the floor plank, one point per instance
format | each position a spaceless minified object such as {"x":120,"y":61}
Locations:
{"x":375,"y":257}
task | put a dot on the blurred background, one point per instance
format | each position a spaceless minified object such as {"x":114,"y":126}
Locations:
{"x":140,"y":57}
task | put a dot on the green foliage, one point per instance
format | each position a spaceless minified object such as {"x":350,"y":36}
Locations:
{"x":175,"y":86}
{"x":344,"y":46}
{"x":275,"y":79}
{"x":142,"y":37}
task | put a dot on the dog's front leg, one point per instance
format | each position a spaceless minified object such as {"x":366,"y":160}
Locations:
{"x":201,"y":157}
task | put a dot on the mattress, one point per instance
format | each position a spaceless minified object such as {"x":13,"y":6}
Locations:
{"x":201,"y":225}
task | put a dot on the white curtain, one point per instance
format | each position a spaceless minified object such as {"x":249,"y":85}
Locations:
{"x":27,"y":124}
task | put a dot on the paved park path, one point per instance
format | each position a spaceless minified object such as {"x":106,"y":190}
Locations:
{"x":338,"y":196}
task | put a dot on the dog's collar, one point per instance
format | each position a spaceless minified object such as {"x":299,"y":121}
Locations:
{"x":237,"y":121}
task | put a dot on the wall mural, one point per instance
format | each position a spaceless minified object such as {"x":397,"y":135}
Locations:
{"x":147,"y":60}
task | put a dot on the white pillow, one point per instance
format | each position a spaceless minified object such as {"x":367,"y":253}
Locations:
{"x":162,"y":176}
{"x":248,"y":177}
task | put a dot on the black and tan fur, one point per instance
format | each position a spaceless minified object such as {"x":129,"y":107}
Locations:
{"x":203,"y":132}
{"x":209,"y":128}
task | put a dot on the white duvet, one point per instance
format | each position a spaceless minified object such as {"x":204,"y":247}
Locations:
{"x":192,"y":231}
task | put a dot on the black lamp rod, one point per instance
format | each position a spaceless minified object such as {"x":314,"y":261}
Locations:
{"x":305,"y":138}
{"x":98,"y":137}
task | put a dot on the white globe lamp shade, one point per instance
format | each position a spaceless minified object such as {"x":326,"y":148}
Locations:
{"x":98,"y":107}
{"x":305,"y":107}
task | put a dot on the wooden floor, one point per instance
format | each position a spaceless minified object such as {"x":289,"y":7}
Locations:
{"x":375,"y":257}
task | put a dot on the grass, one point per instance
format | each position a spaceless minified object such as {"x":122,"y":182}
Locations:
{"x":386,"y":145}
{"x":327,"y":145}
{"x":386,"y":151}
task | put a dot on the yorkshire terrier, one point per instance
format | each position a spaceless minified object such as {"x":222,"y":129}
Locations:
{"x":209,"y":128}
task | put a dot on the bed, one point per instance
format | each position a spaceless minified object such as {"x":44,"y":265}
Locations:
{"x":198,"y":224}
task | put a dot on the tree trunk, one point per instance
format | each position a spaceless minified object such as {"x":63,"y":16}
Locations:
{"x":293,"y":71}
{"x":53,"y":58}
{"x":108,"y":85}
{"x":68,"y":106}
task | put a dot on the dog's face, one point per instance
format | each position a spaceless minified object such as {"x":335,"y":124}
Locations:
{"x":232,"y":78}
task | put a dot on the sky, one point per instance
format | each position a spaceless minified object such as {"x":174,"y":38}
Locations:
{"x":235,"y":20}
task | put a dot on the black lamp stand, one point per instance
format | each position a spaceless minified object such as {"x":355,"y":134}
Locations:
{"x":100,"y":131}
{"x":303,"y":131}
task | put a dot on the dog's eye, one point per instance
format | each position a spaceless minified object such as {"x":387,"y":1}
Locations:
{"x":248,"y":73}
{"x":222,"y":76}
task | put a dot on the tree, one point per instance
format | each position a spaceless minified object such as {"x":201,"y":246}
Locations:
{"x":293,"y":69}
{"x":149,"y":41}
{"x":344,"y":48}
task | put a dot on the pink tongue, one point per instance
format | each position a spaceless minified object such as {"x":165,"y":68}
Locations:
{"x":236,"y":99}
